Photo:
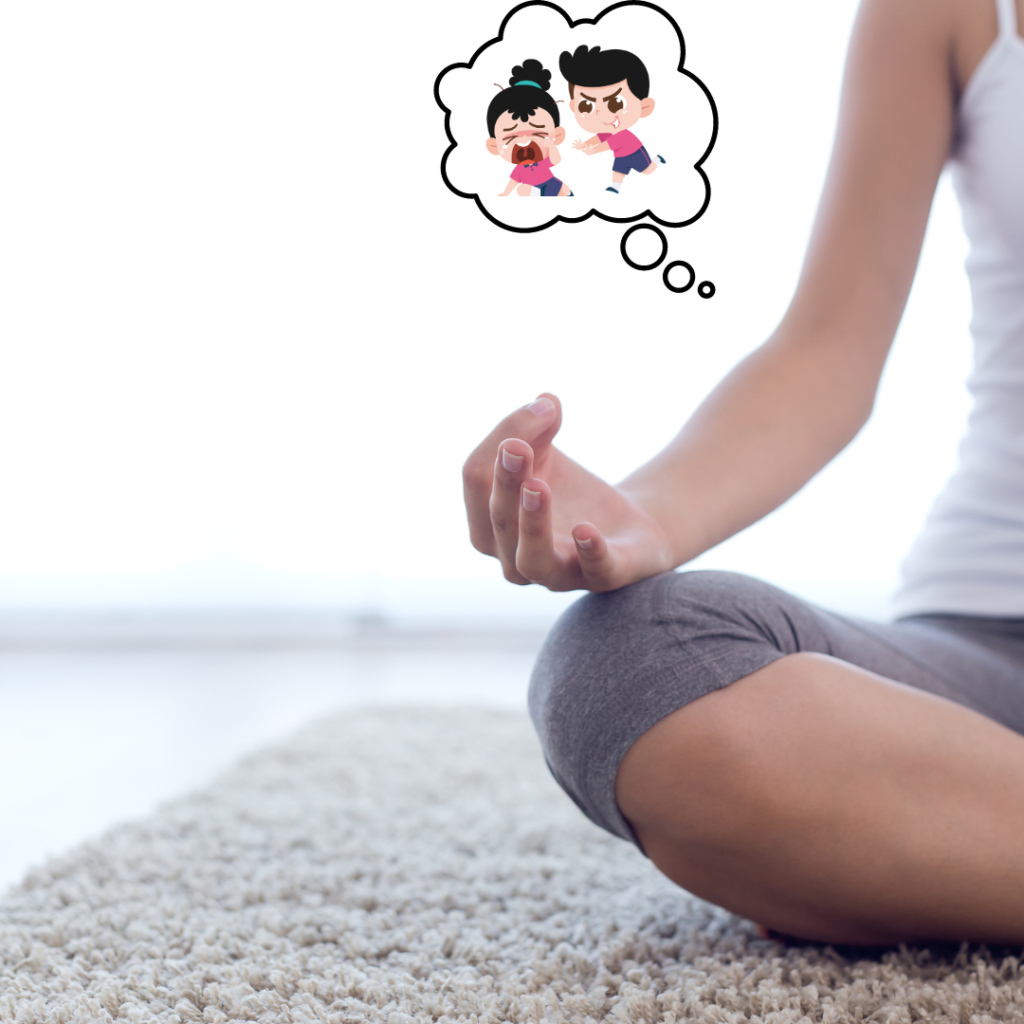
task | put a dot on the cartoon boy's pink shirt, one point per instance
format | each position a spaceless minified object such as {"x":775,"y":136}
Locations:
{"x":532,"y":174}
{"x":623,"y":143}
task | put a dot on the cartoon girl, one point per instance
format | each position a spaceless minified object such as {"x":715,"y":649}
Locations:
{"x":522,"y":125}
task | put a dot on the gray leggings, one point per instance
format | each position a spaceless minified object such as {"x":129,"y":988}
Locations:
{"x":615,"y":664}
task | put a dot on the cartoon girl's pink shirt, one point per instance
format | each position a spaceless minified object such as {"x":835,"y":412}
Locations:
{"x":623,"y":143}
{"x":532,"y":174}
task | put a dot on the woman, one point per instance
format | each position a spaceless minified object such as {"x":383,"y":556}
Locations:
{"x":832,"y":779}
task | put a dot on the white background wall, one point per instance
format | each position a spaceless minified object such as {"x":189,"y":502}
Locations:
{"x":247,"y":337}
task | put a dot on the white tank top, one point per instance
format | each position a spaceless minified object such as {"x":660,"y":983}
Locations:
{"x":969,"y":559}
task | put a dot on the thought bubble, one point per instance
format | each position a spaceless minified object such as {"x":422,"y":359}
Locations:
{"x":627,"y":140}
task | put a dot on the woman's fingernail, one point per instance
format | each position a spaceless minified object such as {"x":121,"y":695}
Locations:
{"x":531,"y":500}
{"x":585,"y":542}
{"x":542,"y":407}
{"x":513,"y":463}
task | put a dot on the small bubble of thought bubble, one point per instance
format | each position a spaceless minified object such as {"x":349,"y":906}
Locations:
{"x":705,"y":289}
{"x":599,"y":113}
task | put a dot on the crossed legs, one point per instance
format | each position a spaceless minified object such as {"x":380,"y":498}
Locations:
{"x":829,"y":803}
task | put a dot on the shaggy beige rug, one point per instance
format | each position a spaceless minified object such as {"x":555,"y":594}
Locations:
{"x":420,"y":865}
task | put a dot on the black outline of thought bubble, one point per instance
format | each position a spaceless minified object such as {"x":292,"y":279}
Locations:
{"x":698,"y":166}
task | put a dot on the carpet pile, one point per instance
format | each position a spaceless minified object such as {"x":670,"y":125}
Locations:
{"x":419,"y":865}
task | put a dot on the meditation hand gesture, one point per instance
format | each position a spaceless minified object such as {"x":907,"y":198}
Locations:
{"x":550,"y":521}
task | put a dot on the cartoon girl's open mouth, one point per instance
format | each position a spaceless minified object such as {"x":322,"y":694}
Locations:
{"x":530,"y":153}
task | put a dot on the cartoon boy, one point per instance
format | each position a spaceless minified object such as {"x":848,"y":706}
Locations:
{"x":522,"y":122}
{"x":610,"y":91}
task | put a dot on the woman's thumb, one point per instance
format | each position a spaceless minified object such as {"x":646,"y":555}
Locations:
{"x":541,"y":418}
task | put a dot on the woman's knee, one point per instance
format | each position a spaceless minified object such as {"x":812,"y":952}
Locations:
{"x":616,"y":664}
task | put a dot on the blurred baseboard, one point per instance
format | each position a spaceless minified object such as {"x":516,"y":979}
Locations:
{"x":71,"y":630}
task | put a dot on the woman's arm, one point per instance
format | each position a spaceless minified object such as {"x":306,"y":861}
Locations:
{"x":795,"y":402}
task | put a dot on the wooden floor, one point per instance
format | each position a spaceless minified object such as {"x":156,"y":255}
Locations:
{"x":90,"y":737}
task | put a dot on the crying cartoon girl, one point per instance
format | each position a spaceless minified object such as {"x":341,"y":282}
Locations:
{"x":522,"y":124}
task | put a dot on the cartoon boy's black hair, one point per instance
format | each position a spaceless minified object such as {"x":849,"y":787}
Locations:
{"x":596,"y":67}
{"x":527,"y":90}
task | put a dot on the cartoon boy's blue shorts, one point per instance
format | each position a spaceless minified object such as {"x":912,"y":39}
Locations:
{"x":551,"y":187}
{"x":638,"y":161}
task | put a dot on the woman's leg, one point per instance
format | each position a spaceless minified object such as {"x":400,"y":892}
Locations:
{"x":830,"y":777}
{"x":830,"y":803}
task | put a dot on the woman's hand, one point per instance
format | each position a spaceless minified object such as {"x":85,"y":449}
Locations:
{"x":547,"y":519}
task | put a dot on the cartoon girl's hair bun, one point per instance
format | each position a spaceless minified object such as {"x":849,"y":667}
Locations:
{"x":527,"y":92}
{"x":531,"y":72}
